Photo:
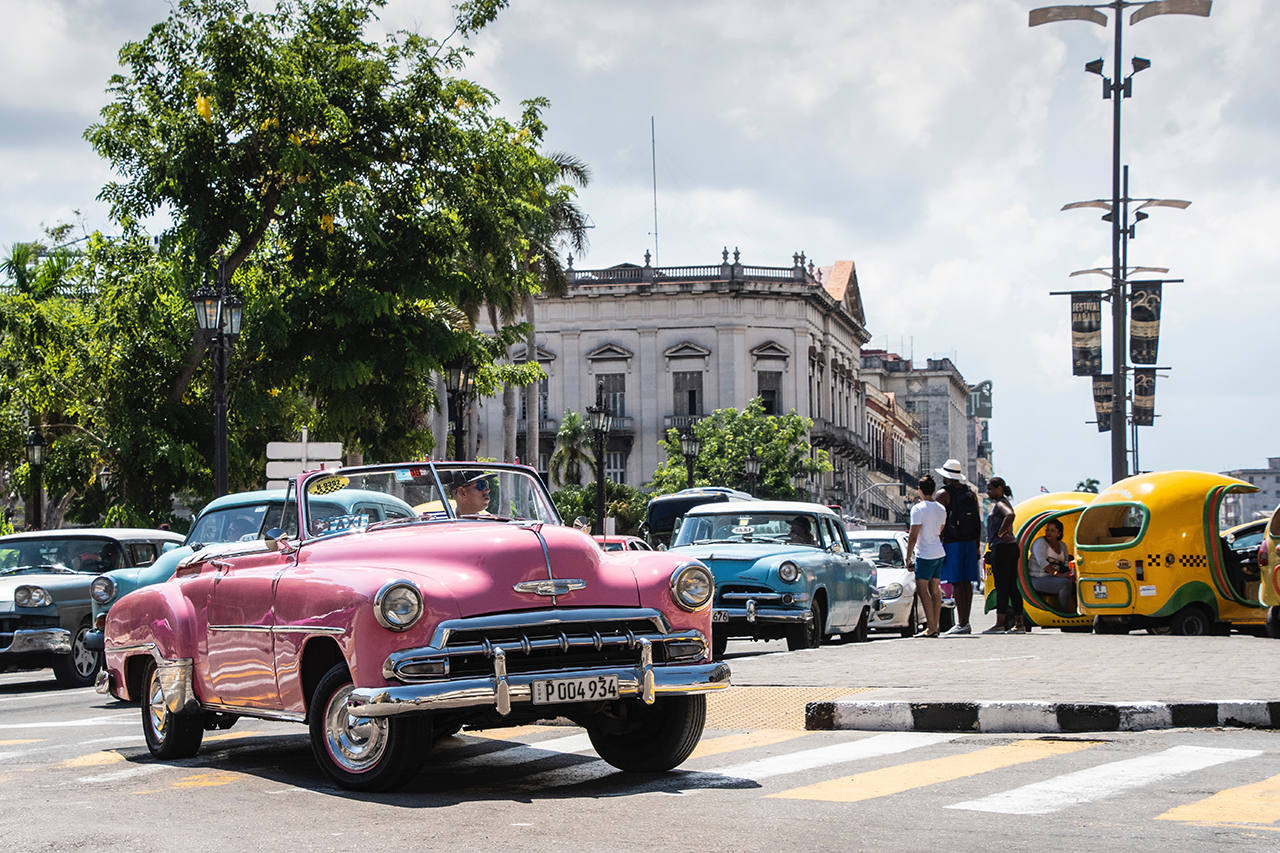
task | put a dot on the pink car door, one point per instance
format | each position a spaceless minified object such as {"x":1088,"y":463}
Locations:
{"x":241,"y":629}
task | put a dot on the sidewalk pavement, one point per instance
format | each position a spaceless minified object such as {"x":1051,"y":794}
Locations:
{"x":1044,"y":681}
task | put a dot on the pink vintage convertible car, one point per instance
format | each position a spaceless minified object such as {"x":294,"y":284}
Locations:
{"x":480,"y":610}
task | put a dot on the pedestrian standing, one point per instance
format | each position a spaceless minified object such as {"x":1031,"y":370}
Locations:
{"x":1002,"y":546}
{"x":925,"y":554}
{"x":960,"y":540}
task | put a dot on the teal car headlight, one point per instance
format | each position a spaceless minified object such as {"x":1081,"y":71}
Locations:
{"x":692,"y":586}
{"x":398,"y":605}
{"x":32,"y":596}
{"x":789,"y":572}
{"x":102,"y":590}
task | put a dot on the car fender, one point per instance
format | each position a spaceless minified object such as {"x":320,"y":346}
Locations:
{"x":157,"y":622}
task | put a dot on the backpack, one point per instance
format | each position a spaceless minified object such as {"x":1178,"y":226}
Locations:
{"x":964,"y":519}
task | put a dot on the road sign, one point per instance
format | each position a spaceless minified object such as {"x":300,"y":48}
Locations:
{"x":283,"y":469}
{"x":329,"y":451}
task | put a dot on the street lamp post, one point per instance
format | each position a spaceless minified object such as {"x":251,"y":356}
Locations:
{"x":1117,"y":90}
{"x":457,"y":382}
{"x":219,"y":313}
{"x":601,"y":423}
{"x":753,"y":471}
{"x":690,"y":447}
{"x":35,"y":458}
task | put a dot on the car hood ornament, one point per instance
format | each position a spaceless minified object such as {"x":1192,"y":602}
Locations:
{"x":552,"y":587}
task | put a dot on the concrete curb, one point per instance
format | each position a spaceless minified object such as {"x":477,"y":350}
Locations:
{"x":1028,"y":716}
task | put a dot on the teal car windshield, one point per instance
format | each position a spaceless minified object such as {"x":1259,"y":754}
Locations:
{"x":774,"y":527}
{"x":236,"y":523}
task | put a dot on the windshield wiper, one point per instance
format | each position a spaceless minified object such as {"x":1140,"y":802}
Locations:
{"x":40,"y":567}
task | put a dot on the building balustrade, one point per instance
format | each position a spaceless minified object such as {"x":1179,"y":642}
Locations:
{"x":841,"y":440}
{"x":680,"y":421}
{"x":545,"y":425}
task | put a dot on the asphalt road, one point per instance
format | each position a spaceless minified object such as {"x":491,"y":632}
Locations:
{"x":75,"y":774}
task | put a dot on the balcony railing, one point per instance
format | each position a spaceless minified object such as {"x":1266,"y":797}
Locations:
{"x":680,"y":421}
{"x":842,"y":440}
{"x":545,"y":425}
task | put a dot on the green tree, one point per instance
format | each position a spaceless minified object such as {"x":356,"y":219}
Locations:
{"x":574,"y":451}
{"x":1087,"y":485}
{"x":625,"y":504}
{"x":728,"y":436}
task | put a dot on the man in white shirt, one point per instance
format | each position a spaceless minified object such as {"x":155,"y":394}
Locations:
{"x":925,"y":553}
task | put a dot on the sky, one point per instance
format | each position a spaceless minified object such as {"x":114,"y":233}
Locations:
{"x":931,"y":142}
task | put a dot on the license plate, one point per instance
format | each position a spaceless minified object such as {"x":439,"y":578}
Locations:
{"x":719,"y":615}
{"x":551,"y":691}
{"x":1099,"y":591}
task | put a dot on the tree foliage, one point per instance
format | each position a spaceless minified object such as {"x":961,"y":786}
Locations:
{"x":624,"y":504}
{"x":574,"y":453}
{"x":728,"y":436}
{"x":1089,"y":484}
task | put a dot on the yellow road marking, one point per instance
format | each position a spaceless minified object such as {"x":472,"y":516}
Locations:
{"x":513,"y":732}
{"x":94,"y":759}
{"x":19,"y":742}
{"x":731,"y":743}
{"x":1249,"y":804}
{"x":918,"y":774}
{"x":209,"y":779}
{"x":234,"y":735}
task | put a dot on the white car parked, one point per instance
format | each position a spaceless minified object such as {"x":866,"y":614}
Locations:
{"x":897,"y":584}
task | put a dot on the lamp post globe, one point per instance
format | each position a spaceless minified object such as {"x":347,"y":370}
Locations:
{"x":690,"y":447}
{"x":753,"y":471}
{"x":35,"y":458}
{"x":457,"y":382}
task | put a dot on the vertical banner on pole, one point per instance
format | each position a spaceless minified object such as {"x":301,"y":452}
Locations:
{"x":1144,"y":396}
{"x":1144,"y":322}
{"x":1086,"y":334}
{"x":1102,"y":401}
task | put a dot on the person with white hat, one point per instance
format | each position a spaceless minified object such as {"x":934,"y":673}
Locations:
{"x":960,"y":540}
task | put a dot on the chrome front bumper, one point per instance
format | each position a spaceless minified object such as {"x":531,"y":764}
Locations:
{"x":501,"y":690}
{"x":751,"y":613}
{"x":35,"y":641}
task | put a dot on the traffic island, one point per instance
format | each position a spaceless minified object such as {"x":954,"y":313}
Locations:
{"x":1038,"y":717}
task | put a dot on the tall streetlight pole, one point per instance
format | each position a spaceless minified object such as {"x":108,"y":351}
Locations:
{"x":753,"y":471}
{"x":457,"y":382}
{"x":35,"y":459}
{"x":601,"y":423}
{"x":1117,"y":90}
{"x":690,"y":447}
{"x":219,"y":312}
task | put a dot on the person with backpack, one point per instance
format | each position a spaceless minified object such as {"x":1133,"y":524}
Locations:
{"x":960,"y":540}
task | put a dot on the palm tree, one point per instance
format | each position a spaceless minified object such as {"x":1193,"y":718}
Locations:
{"x":573,"y":451}
{"x":566,"y":225}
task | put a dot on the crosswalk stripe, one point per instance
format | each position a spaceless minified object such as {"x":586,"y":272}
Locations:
{"x":1105,"y":780}
{"x":808,"y":759}
{"x":513,"y":733}
{"x":20,"y":741}
{"x":733,"y":743}
{"x":138,"y":770}
{"x":1256,"y":803}
{"x":918,"y":774}
{"x":527,"y":753}
{"x":61,"y":724}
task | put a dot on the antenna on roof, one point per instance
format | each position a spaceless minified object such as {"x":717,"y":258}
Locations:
{"x":653,"y":153}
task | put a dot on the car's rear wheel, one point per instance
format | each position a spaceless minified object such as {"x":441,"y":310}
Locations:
{"x":642,"y":738}
{"x":362,"y":753}
{"x":1111,"y":624}
{"x":78,"y":668}
{"x":1192,"y":621}
{"x":169,"y":735}
{"x":808,"y":635}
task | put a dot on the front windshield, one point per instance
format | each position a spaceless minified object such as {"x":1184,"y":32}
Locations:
{"x":85,"y":554}
{"x":236,"y":523}
{"x":754,"y":527}
{"x":885,"y":552}
{"x":360,"y":498}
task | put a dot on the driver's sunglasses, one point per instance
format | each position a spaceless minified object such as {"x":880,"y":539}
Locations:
{"x":482,"y":485}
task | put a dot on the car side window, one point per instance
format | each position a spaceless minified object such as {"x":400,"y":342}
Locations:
{"x":833,"y":536}
{"x":142,"y":553}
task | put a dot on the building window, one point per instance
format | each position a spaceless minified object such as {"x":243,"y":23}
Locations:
{"x":615,"y":393}
{"x":615,"y":466}
{"x":768,"y":386}
{"x":542,"y":402}
{"x":688,"y":392}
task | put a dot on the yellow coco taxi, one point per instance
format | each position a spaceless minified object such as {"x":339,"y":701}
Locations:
{"x":1031,"y":516}
{"x":1269,"y":571}
{"x":1149,"y":554}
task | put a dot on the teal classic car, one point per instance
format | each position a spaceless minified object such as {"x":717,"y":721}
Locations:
{"x":44,"y":593}
{"x":241,"y":517}
{"x":783,"y":570}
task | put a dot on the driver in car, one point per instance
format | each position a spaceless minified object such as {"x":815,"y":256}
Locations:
{"x":471,"y":495}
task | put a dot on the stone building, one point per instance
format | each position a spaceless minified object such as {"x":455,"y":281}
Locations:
{"x":1239,"y":508}
{"x":670,"y":345}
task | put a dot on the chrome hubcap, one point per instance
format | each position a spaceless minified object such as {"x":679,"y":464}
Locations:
{"x":157,"y":711}
{"x":85,"y":661}
{"x":354,"y":743}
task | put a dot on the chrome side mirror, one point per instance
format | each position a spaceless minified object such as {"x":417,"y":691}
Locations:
{"x":581,"y":523}
{"x":277,"y":540}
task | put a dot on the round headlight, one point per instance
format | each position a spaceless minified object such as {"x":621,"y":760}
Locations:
{"x":398,"y":605}
{"x":103,"y":589}
{"x":692,"y":586}
{"x":32,"y":596}
{"x":788,"y":572}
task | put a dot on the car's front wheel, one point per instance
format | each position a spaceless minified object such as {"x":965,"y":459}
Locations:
{"x":169,"y":735}
{"x":808,"y":635}
{"x":362,"y":753}
{"x":642,"y":738}
{"x":913,"y":621}
{"x":719,"y":642}
{"x":78,"y":668}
